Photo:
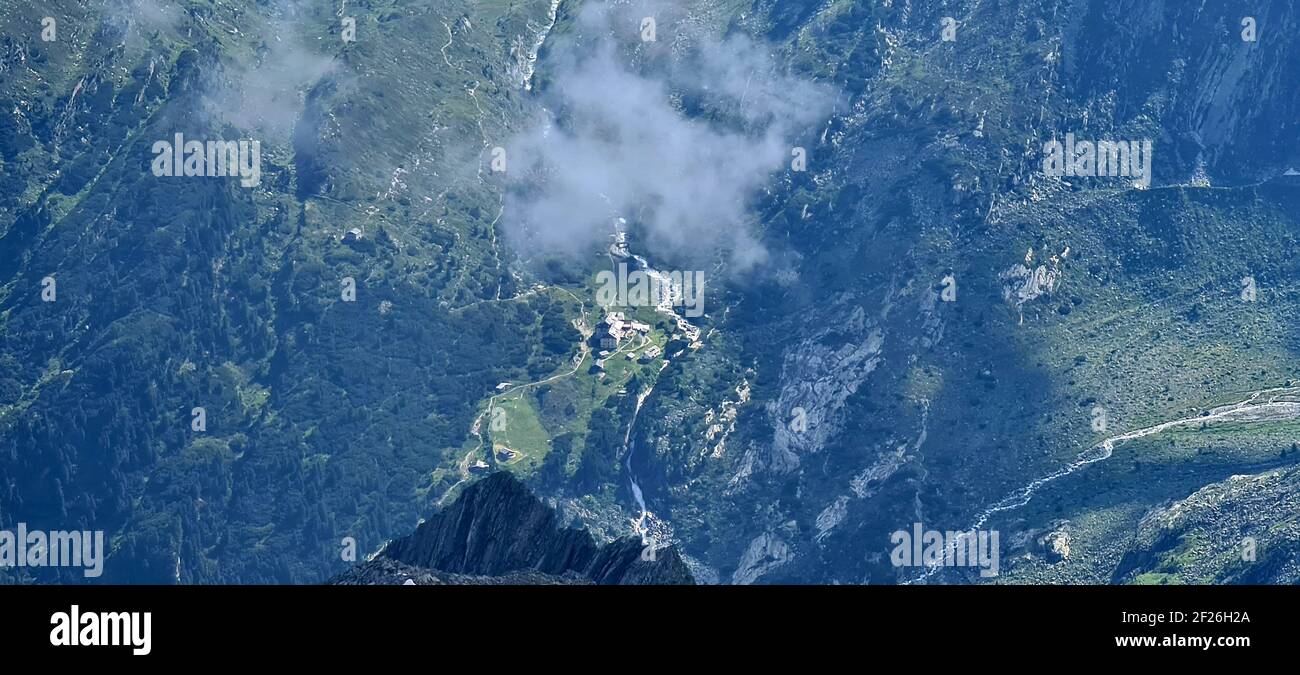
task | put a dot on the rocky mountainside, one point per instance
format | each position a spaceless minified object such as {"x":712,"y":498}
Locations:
{"x":1244,"y":530}
{"x":950,"y":325}
{"x":907,"y":319}
{"x":497,"y":531}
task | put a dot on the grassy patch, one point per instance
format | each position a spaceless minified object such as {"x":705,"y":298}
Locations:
{"x":516,"y":427}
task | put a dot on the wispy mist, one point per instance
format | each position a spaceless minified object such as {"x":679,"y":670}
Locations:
{"x":264,"y":92}
{"x":677,"y":136}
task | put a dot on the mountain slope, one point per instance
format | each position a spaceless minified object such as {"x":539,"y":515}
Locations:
{"x":1082,"y":308}
{"x":936,"y":332}
{"x":325,"y":416}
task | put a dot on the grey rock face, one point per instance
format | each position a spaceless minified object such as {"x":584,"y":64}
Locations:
{"x":819,"y":375}
{"x":765,"y":553}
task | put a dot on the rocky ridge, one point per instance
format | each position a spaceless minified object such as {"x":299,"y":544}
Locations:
{"x":498,"y":532}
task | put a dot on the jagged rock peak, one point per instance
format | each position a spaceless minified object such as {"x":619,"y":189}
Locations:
{"x":497,"y":528}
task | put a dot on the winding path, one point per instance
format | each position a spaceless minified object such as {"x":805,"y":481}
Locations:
{"x":585,"y":329}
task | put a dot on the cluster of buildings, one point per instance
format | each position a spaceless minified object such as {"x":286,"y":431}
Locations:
{"x":615,"y":327}
{"x":613,"y":330}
